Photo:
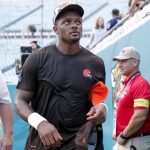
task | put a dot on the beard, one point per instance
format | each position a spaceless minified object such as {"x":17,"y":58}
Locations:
{"x":71,"y":39}
{"x":75,"y":40}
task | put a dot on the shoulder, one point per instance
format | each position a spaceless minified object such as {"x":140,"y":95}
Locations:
{"x":42,"y":52}
{"x":141,"y":80}
{"x":92,"y":57}
{"x":140,"y":83}
{"x":42,"y":55}
{"x":140,"y":88}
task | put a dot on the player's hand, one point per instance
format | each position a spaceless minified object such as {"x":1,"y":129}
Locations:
{"x":49,"y":134}
{"x":97,"y":114}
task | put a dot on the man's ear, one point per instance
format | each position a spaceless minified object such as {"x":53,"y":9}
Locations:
{"x":55,"y":28}
{"x":135,"y":62}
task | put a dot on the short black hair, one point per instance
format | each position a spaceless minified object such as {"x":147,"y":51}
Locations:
{"x":115,"y":11}
{"x":33,"y":42}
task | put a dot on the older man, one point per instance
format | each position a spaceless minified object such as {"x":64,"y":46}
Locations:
{"x":133,"y":102}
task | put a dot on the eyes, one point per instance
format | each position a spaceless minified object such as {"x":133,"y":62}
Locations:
{"x":123,"y":61}
{"x":130,"y":60}
{"x":69,"y":21}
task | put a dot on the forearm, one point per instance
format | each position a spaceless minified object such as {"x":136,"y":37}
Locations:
{"x":7,"y":118}
{"x":135,"y":124}
{"x":23,"y":109}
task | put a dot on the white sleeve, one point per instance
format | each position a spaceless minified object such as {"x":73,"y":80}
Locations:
{"x":4,"y":93}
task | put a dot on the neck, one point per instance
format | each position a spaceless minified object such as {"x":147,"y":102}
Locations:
{"x":69,"y":49}
{"x":132,"y":73}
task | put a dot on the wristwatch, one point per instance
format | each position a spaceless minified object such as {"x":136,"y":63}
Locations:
{"x":122,"y":136}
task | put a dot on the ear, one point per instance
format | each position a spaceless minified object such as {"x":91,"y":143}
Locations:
{"x":135,"y":63}
{"x":55,"y":29}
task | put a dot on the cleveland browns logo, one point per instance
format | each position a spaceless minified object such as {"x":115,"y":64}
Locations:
{"x":87,"y":73}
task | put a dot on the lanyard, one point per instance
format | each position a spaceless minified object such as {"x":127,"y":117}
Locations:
{"x":125,"y":87}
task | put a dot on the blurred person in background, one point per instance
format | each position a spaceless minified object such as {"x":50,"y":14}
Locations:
{"x":52,"y":92}
{"x":97,"y":33}
{"x":6,"y":115}
{"x":133,"y":104}
{"x":27,"y":50}
{"x":134,"y":6}
{"x":116,"y":17}
{"x":34,"y":45}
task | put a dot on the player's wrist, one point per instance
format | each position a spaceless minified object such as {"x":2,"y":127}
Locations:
{"x":34,"y":119}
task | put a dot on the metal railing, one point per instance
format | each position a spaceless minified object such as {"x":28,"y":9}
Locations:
{"x":127,"y":17}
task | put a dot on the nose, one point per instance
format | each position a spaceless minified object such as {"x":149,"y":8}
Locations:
{"x":119,"y":64}
{"x":74,"y":25}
